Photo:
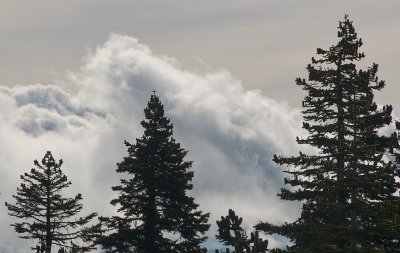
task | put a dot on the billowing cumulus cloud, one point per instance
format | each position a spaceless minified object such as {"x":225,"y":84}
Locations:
{"x":231,"y":133}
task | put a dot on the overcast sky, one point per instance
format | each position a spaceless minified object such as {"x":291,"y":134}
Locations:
{"x":76,"y":75}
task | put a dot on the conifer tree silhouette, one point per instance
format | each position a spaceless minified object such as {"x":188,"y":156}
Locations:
{"x":44,"y":212}
{"x":343,"y":185}
{"x":231,"y":233}
{"x":158,"y":215}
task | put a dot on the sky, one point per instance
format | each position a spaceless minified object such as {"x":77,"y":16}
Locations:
{"x":75,"y":77}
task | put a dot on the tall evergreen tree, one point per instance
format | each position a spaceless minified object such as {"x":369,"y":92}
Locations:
{"x":45,"y":213}
{"x":158,"y":215}
{"x":344,"y":184}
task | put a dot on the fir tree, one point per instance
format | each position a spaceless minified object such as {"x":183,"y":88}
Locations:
{"x":45,"y":213}
{"x":158,"y":215}
{"x":345,"y":184}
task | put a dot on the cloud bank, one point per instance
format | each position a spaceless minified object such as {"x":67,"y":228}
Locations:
{"x":231,"y":133}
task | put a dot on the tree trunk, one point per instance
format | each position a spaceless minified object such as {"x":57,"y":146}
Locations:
{"x":48,"y":214}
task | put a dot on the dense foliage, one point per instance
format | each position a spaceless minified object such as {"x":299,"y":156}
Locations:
{"x":231,"y":233}
{"x":158,"y":215}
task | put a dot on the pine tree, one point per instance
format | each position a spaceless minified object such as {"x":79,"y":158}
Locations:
{"x":46,"y":214}
{"x":231,"y":233}
{"x":344,"y":185}
{"x":158,"y":216}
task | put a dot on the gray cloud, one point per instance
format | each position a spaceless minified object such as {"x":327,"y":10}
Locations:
{"x":267,"y":44}
{"x":231,"y":133}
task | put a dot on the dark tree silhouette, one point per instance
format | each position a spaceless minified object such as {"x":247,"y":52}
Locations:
{"x":345,"y":184}
{"x":389,"y":226}
{"x":231,"y":233}
{"x":44,"y":213}
{"x":158,"y":216}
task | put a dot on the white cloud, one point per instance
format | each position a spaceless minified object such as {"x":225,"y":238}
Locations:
{"x":231,"y":133}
